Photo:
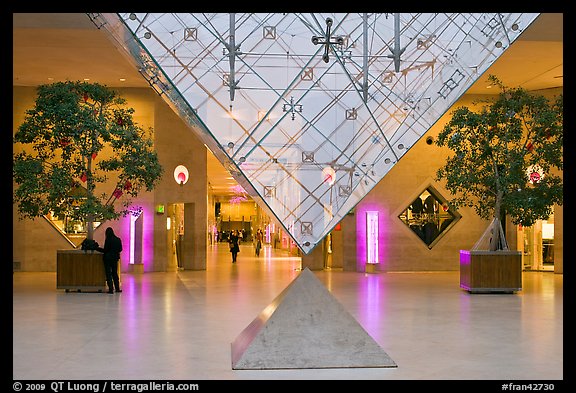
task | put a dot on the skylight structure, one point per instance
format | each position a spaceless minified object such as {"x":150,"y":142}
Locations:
{"x":308,"y":112}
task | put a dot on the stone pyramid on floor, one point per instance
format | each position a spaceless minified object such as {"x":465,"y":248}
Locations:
{"x":306,"y":327}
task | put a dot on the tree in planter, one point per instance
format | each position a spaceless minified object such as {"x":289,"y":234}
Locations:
{"x":506,"y":158}
{"x":60,"y":166}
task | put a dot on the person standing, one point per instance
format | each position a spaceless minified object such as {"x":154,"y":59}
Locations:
{"x":112,"y":249}
{"x":234,"y":247}
{"x":259,"y":239}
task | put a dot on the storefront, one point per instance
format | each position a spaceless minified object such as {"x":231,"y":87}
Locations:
{"x":537,"y":245}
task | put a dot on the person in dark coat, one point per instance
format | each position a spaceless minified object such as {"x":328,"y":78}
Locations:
{"x":234,"y":247}
{"x":259,"y":239}
{"x":112,"y":249}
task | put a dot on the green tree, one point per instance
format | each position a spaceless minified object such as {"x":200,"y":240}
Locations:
{"x":59,"y":167}
{"x":495,"y":150}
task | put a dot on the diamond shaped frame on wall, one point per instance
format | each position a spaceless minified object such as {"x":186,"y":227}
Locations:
{"x":401,"y":73}
{"x":429,"y":217}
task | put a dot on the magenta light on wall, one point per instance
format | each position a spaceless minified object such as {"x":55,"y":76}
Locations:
{"x":136,"y":218}
{"x":372,"y":237}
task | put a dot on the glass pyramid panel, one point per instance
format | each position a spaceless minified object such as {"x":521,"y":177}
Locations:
{"x":308,"y":112}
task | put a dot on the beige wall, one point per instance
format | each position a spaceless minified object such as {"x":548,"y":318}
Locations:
{"x":35,"y":241}
{"x":177,"y":145}
{"x":237,"y":211}
{"x":559,"y":239}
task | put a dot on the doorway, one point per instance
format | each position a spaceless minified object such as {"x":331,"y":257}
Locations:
{"x":327,"y":249}
{"x":175,"y":236}
{"x":537,"y":245}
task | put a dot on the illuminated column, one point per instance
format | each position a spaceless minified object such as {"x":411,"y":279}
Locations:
{"x":371,"y":240}
{"x":136,"y":219}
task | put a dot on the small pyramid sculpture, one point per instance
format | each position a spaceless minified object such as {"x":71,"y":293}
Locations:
{"x":306,"y":327}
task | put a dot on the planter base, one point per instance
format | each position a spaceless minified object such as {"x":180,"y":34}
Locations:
{"x":491,"y":271}
{"x":81,"y":271}
{"x":136,"y":268}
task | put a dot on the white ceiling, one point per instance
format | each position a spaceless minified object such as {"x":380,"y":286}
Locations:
{"x":68,"y":46}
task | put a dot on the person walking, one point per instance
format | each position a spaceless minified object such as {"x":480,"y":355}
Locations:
{"x":234,"y":247}
{"x":112,"y":249}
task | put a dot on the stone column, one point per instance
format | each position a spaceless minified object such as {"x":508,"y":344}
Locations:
{"x":558,"y":239}
{"x":337,"y":248}
{"x":349,"y":262}
{"x":314,"y":260}
{"x":194,"y":243}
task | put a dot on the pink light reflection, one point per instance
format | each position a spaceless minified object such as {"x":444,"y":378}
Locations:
{"x":371,"y":294}
{"x":136,"y":298}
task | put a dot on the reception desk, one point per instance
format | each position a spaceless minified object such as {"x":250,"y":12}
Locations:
{"x":80,"y":271}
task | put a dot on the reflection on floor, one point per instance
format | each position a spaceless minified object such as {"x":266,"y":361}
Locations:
{"x":180,"y":325}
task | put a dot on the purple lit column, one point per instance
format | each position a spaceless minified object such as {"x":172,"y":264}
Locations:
{"x":372,"y":237}
{"x":136,"y":233}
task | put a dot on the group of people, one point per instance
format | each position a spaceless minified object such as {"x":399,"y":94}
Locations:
{"x":224,"y":236}
{"x":234,"y":240}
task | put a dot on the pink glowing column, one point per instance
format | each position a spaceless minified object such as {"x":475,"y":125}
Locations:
{"x":136,"y":237}
{"x":372,"y":237}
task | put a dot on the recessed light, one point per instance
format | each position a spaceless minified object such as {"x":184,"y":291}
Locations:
{"x":122,"y":79}
{"x":86,"y":79}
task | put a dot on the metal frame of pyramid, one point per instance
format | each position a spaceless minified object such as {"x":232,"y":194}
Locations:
{"x":308,"y":112}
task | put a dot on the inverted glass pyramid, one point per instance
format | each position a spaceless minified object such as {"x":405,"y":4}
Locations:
{"x":309,"y":111}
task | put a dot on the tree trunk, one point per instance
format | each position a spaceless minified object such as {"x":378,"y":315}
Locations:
{"x":493,"y":238}
{"x":90,"y":230}
{"x":496,"y":242}
{"x":89,"y":200}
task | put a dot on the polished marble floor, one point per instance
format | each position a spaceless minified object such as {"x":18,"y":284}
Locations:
{"x":180,"y":325}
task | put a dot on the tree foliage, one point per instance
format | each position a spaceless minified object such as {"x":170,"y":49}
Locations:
{"x":495,"y":150}
{"x":60,"y":168}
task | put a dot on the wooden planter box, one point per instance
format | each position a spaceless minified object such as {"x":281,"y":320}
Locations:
{"x":80,"y":270}
{"x":491,"y":271}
